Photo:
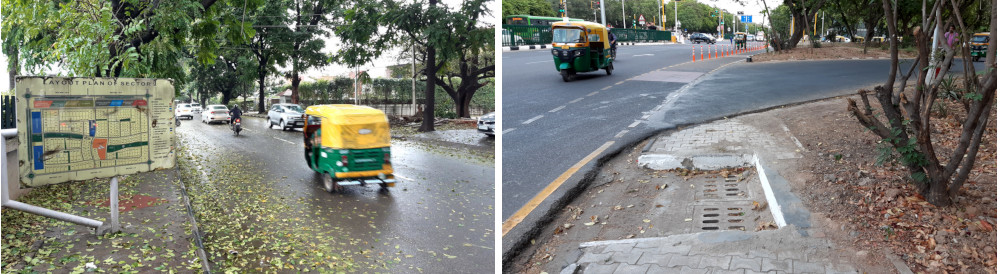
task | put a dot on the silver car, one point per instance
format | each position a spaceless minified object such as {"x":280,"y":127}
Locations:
{"x":486,"y":123}
{"x":286,"y":116}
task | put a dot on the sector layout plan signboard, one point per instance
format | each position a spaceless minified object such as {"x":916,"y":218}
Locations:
{"x":84,"y":128}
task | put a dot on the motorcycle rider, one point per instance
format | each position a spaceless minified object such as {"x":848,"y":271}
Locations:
{"x":234,"y":113}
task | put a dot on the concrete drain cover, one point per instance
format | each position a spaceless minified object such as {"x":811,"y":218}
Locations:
{"x":729,"y":216}
{"x":729,"y":189}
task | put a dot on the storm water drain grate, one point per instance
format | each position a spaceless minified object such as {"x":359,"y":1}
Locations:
{"x":728,"y":189}
{"x":729,"y":216}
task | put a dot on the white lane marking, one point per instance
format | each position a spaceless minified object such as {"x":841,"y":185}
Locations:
{"x":648,"y":54}
{"x":620,"y":134}
{"x":576,"y":100}
{"x":644,"y":117}
{"x":636,"y":123}
{"x":286,"y":141}
{"x":507,"y":130}
{"x":404,"y":178}
{"x":532,"y":119}
{"x":619,"y":83}
{"x":558,"y":108}
{"x":606,"y":88}
{"x":537,"y":62}
{"x":592,"y":94}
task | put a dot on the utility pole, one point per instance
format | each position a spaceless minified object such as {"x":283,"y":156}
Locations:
{"x":823,"y":26}
{"x":623,"y":14}
{"x":413,"y":76}
{"x":663,"y":20}
{"x":675,"y":17}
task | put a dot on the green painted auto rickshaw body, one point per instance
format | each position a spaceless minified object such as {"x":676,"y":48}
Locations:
{"x":979,"y":45}
{"x":348,"y":145}
{"x":580,"y":47}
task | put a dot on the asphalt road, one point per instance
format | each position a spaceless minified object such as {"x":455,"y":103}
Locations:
{"x":439,"y":219}
{"x":549,"y":125}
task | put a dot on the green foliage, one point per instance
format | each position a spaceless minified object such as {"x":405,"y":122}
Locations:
{"x":527,"y":7}
{"x":485,"y":98}
{"x":132,"y":39}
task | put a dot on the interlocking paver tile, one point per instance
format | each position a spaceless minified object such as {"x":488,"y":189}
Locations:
{"x":595,"y":258}
{"x":628,"y":258}
{"x":749,"y":264}
{"x":654,"y":258}
{"x":690,"y":261}
{"x":712,"y":261}
{"x":768,"y":264}
{"x":631,"y":269}
{"x":807,"y":267}
{"x":599,"y":268}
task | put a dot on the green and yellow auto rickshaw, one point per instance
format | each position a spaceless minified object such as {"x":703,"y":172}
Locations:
{"x":348,"y":145}
{"x":581,"y":47}
{"x":980,"y":44}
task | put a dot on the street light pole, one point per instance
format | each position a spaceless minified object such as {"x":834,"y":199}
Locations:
{"x":675,"y":16}
{"x":623,"y":14}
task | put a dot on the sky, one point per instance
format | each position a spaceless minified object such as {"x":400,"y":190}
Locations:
{"x":376,"y":68}
{"x":752,"y":7}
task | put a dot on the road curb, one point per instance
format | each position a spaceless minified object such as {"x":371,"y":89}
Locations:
{"x":194,"y":223}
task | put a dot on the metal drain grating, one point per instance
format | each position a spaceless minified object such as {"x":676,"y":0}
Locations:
{"x":729,"y":189}
{"x":730,"y":216}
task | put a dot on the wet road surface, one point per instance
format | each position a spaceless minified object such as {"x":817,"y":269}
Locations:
{"x":438,"y":219}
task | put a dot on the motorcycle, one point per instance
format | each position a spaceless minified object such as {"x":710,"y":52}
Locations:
{"x":235,"y":126}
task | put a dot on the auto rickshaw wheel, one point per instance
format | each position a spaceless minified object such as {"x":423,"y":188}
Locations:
{"x":609,"y":68}
{"x":329,"y":183}
{"x":975,"y":59}
{"x":566,"y":76}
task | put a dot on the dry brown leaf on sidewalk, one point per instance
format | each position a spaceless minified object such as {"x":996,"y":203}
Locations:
{"x":766,"y":226}
{"x":759,"y":206}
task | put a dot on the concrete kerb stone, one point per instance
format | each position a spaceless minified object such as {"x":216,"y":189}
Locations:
{"x":520,"y":237}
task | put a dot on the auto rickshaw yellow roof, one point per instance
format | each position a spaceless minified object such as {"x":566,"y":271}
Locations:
{"x":335,"y":111}
{"x":587,"y":25}
{"x":981,"y":34}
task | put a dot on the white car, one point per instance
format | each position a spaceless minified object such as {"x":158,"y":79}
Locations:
{"x":184,"y":110}
{"x":215,"y":113}
{"x":196,"y":107}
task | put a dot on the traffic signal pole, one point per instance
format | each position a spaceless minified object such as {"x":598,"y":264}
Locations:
{"x":603,"y":20}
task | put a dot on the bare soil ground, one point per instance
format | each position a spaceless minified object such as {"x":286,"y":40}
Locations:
{"x":830,"y":51}
{"x":874,"y":207}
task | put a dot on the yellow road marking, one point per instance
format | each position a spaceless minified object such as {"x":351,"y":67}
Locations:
{"x":518,"y":216}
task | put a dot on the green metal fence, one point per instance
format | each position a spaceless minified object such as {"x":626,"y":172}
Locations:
{"x":519,"y":35}
{"x":641,"y":35}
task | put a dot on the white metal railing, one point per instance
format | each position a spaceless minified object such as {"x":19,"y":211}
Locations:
{"x":101,"y":227}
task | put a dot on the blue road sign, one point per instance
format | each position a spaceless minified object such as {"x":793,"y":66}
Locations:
{"x":746,"y":18}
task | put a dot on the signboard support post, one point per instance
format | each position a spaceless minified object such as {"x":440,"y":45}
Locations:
{"x":62,"y":216}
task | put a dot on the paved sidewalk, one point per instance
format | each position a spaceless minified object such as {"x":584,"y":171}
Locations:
{"x":773,"y":251}
{"x":156,"y":228}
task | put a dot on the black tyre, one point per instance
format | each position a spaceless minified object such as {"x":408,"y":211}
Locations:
{"x":609,"y":68}
{"x":282,"y":125}
{"x":329,"y":184}
{"x":975,"y":59}
{"x":565,"y":75}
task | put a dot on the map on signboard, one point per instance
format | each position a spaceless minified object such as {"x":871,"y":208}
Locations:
{"x":83,"y":128}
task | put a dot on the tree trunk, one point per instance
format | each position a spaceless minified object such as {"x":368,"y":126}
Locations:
{"x":430,"y":72}
{"x":261,"y":74}
{"x":295,"y":86}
